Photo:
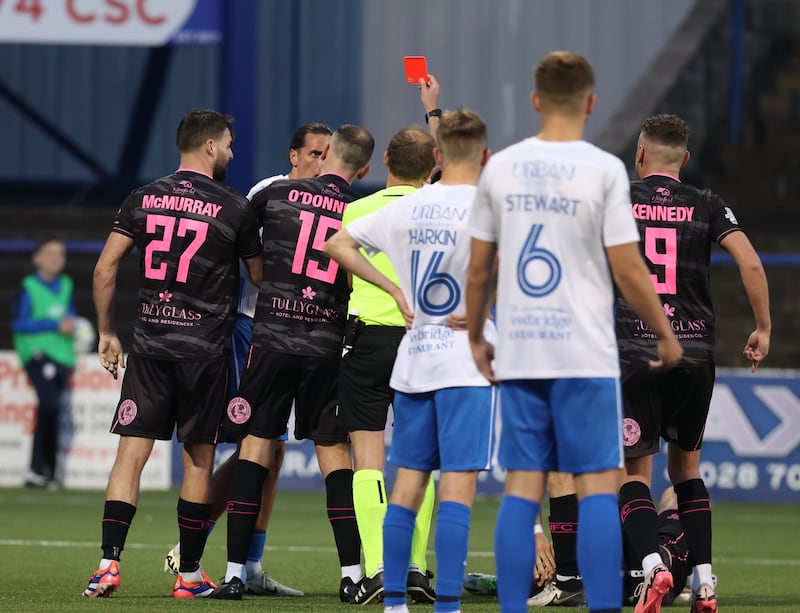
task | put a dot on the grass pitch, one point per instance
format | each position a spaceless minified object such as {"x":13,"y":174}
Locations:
{"x":49,"y":546}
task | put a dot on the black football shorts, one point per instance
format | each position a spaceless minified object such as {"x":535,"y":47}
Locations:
{"x":672,"y":405}
{"x":158,"y":394}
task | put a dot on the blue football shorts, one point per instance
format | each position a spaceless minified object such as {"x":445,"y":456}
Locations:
{"x":451,"y":429}
{"x":568,"y":425}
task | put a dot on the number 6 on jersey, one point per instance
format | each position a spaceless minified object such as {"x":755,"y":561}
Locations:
{"x":530,"y":254}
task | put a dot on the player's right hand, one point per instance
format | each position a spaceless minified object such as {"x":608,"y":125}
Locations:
{"x":483,"y":354}
{"x":429,"y":93}
{"x":109,"y":349}
{"x":545,"y":570}
{"x":757,"y":348}
{"x":402,"y":305}
{"x":670,"y":353}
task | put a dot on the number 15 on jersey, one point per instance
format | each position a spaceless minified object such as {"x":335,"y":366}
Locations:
{"x":306,"y":266}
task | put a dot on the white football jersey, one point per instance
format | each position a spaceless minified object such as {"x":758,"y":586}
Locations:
{"x":425,"y":237}
{"x":553,"y":208}
{"x":248,"y":293}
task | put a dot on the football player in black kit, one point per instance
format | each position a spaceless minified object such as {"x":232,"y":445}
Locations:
{"x":677,"y":223}
{"x":190,"y":231}
{"x":296,"y":346}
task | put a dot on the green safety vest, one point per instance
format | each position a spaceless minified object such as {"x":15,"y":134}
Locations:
{"x":47,"y":305}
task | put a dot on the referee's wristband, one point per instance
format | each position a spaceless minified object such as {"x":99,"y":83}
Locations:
{"x":433,"y":113}
{"x":537,"y":529}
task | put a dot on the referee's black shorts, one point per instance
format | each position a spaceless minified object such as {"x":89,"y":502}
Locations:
{"x":364,"y":392}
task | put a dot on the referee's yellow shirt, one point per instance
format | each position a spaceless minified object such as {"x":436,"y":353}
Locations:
{"x":374,"y":306}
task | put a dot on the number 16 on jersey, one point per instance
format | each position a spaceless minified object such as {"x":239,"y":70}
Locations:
{"x":436,"y":293}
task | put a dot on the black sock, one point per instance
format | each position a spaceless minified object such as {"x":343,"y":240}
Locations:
{"x":694,"y":508}
{"x":639,"y":522}
{"x":193,"y":530}
{"x":244,"y":503}
{"x":342,"y":515}
{"x":117,"y":518}
{"x":564,"y":531}
{"x":50,"y":438}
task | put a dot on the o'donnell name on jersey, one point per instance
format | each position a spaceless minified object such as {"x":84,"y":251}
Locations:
{"x":181,"y":204}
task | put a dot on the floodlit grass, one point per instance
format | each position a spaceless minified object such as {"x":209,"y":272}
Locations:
{"x":49,"y":546}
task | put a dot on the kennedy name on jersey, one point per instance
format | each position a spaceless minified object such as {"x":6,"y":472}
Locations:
{"x":181,"y":203}
{"x":657,"y":212}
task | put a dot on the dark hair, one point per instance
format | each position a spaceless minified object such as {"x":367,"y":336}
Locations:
{"x":461,"y":136}
{"x":299,"y":137}
{"x":199,"y":125}
{"x":562,"y":79}
{"x":410,"y":154}
{"x":668,"y":130}
{"x":353,"y":145}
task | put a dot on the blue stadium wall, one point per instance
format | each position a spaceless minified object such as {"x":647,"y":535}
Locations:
{"x":338,"y":61}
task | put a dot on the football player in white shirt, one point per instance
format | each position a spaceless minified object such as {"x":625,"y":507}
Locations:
{"x":557,"y":212}
{"x":443,"y":407}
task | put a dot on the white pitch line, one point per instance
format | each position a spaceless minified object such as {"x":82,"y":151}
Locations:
{"x":311,"y":549}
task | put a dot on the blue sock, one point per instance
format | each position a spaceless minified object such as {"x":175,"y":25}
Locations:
{"x":451,"y":542}
{"x":211,"y":525}
{"x":515,"y":552}
{"x":257,"y":542}
{"x":398,"y":528}
{"x":600,"y":551}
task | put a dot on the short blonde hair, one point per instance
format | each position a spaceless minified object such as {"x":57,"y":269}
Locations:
{"x":461,"y":136}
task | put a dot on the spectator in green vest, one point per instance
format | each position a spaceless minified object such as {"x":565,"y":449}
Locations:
{"x":42,"y":322}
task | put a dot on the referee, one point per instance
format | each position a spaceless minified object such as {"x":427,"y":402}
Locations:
{"x":375,"y":329}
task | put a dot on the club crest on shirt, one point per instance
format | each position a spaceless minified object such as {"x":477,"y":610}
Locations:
{"x":127,"y":412}
{"x":239,"y":410}
{"x":183,"y":187}
{"x":631,"y":432}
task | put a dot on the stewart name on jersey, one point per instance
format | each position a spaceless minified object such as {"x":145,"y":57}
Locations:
{"x":677,"y":223}
{"x":190,"y":232}
{"x":302,"y":303}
